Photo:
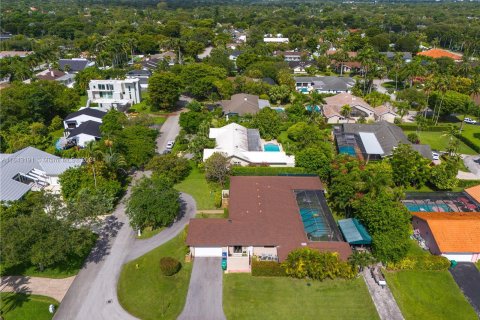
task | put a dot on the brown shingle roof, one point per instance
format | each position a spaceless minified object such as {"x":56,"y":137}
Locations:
{"x":241,"y":104}
{"x":262,"y":212}
{"x":454,"y":231}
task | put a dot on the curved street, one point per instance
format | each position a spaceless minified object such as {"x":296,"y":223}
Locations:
{"x":93,"y":294}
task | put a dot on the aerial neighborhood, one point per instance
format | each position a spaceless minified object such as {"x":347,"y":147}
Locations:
{"x":214,"y":160}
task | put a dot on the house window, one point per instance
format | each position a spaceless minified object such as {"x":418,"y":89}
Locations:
{"x":237,"y":249}
{"x":110,"y":87}
{"x":101,"y":87}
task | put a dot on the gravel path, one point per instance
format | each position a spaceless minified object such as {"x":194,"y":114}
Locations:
{"x":383,"y":299}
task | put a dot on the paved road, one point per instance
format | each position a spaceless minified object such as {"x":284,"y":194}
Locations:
{"x":93,"y":294}
{"x":55,"y":288}
{"x":204,"y":298}
{"x":378,"y":85}
{"x":169,"y":131}
{"x":383,"y":299}
{"x":467,"y":277}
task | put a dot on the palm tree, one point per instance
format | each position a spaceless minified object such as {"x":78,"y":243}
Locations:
{"x":442,"y":87}
{"x":91,"y":153}
{"x":346,"y":111}
{"x":366,"y":57}
{"x":451,"y":132}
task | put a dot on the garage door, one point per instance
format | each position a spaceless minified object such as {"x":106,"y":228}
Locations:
{"x":208,"y":252}
{"x":458,"y":257}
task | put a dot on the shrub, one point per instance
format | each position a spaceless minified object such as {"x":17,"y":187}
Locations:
{"x":310,"y":263}
{"x":218,"y":199}
{"x":413,"y":138}
{"x":267,"y":269}
{"x":266,"y":171}
{"x":169,"y":266}
{"x":421,"y":263}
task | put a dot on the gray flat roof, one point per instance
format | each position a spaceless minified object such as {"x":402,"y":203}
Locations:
{"x":370,"y":142}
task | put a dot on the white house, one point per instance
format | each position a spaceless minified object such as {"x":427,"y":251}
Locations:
{"x":385,"y":112}
{"x":31,"y":169}
{"x":82,"y":126}
{"x":244,"y":147}
{"x":278,"y":38}
{"x":324,"y":84}
{"x":118,"y":94}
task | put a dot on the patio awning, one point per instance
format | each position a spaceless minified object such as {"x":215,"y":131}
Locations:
{"x":354,"y":232}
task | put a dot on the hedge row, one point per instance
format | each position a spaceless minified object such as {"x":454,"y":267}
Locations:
{"x":469,"y":143}
{"x":421,"y":263}
{"x":169,"y":266}
{"x":468,"y":183}
{"x":266,"y":171}
{"x":410,"y":127}
{"x":267,"y":269}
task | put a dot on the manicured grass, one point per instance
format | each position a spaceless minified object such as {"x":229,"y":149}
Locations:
{"x":428,"y":188}
{"x":478,"y":264}
{"x":428,"y":295}
{"x":248,"y":297}
{"x":83,"y":101}
{"x":202,"y":215}
{"x":149,"y":232}
{"x":472,"y":133}
{"x":439,"y":142}
{"x":20,"y":306}
{"x":158,"y":119}
{"x":146,"y":293}
{"x":196,"y":185}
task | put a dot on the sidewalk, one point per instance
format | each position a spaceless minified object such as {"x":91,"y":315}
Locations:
{"x":383,"y":299}
{"x":55,"y":288}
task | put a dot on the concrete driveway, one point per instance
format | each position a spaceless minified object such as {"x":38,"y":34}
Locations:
{"x":467,"y":277}
{"x":204,"y":298}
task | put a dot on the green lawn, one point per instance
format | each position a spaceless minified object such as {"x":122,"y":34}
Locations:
{"x":149,"y":232}
{"x":478,"y":264}
{"x":196,"y":185}
{"x":146,"y":293}
{"x":248,"y":297}
{"x":429,"y":295}
{"x":439,"y":142}
{"x":83,"y":101}
{"x":472,"y":133}
{"x":19,"y":306}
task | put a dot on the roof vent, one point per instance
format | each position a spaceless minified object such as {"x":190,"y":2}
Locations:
{"x":303,"y":244}
{"x":230,"y":220}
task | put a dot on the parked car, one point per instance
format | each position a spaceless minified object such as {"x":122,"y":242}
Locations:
{"x":435,"y":156}
{"x":170,"y":144}
{"x":470,"y":121}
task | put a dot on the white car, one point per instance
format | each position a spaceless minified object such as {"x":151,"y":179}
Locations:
{"x":435,"y":156}
{"x":470,"y":121}
{"x":170,"y":144}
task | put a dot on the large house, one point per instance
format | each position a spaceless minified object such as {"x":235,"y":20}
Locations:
{"x":118,"y":94}
{"x":406,"y":56}
{"x":332,"y":108}
{"x":67,"y":79}
{"x":325,"y":84}
{"x":241,"y":104}
{"x":291,"y":55}
{"x":21,"y":54}
{"x":373,"y":141}
{"x":440,"y":53}
{"x":244,"y":147}
{"x":278,"y":38}
{"x":454,"y":235}
{"x":31,"y":169}
{"x":142,"y":75}
{"x":82,"y":126}
{"x":268,"y":218}
{"x":386,"y":112}
{"x":75,"y":65}
{"x":300,"y":67}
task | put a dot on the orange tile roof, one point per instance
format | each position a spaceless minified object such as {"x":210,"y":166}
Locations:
{"x":440,"y":53}
{"x":454,"y":231}
{"x":474,"y":192}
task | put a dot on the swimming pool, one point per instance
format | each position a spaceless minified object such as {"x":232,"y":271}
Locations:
{"x":271,"y":147}
{"x":314,"y":223}
{"x":347,"y":150}
{"x":417,"y":207}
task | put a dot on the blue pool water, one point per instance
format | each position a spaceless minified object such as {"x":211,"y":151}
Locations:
{"x":271,"y":147}
{"x":416,"y":207}
{"x":313,"y":223}
{"x":313,"y":108}
{"x":58,"y":144}
{"x":347,"y":150}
